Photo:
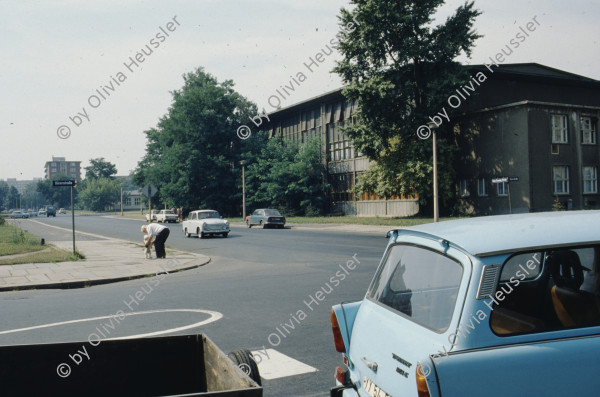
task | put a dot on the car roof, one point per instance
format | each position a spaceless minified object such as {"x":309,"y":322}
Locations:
{"x":205,"y":211}
{"x":491,"y":235}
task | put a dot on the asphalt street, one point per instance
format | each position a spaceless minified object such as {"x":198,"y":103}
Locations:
{"x":264,"y":283}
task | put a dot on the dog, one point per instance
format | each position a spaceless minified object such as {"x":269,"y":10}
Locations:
{"x":147,"y":249}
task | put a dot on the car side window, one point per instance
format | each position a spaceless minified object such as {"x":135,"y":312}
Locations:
{"x":420,"y":284}
{"x":547,"y":291}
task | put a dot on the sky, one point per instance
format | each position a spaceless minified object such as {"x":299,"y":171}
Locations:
{"x":68,"y":87}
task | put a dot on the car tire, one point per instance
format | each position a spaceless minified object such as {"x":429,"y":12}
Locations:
{"x":186,"y":233}
{"x":245,"y":362}
{"x":262,"y":224}
{"x":225,"y":235}
{"x":248,"y":224}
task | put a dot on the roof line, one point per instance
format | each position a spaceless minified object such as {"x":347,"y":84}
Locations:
{"x":528,"y":102}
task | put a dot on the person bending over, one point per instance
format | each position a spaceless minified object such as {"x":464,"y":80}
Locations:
{"x":158,"y":234}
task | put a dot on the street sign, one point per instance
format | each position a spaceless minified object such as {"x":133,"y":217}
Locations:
{"x":513,"y":179}
{"x":500,"y":180}
{"x":149,"y":190}
{"x":64,"y":183}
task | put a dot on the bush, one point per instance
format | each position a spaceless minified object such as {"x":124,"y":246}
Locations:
{"x":2,"y":221}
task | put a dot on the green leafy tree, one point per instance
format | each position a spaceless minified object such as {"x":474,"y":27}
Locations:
{"x":401,"y":70}
{"x":192,"y":155}
{"x":32,"y":197}
{"x":58,"y":196}
{"x":12,"y":198}
{"x":100,"y":168}
{"x":289,"y":177}
{"x":99,"y":194}
{"x":4,"y":204}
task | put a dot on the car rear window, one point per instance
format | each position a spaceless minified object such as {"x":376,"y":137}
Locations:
{"x":419,"y":284}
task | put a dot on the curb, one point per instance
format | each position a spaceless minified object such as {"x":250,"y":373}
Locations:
{"x":89,"y":283}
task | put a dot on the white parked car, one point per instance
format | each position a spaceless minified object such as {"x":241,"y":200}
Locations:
{"x":151,"y":217}
{"x":205,"y":222}
{"x":166,"y":216}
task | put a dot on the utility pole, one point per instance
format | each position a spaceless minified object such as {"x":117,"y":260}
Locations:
{"x":243,"y":164}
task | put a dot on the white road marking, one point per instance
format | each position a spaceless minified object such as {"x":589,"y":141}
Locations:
{"x":273,"y":365}
{"x":76,"y":231}
{"x":214,"y":316}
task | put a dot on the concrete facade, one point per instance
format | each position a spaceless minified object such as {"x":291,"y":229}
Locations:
{"x":534,"y":123}
{"x":525,"y":121}
{"x":59,"y":165}
{"x":325,"y":117}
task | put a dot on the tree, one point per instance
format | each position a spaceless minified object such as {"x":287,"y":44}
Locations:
{"x":192,"y":155}
{"x":4,"y":205}
{"x":100,"y":168}
{"x":12,"y":198}
{"x":400,"y":69}
{"x":99,"y":194}
{"x":32,"y":197}
{"x":289,"y":177}
{"x":56,"y":195}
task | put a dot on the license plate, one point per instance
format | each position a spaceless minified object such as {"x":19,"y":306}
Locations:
{"x":373,"y":390}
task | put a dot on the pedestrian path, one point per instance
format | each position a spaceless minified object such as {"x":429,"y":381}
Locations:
{"x":107,"y":260}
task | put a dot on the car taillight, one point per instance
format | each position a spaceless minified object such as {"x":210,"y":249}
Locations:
{"x":341,"y":375}
{"x":337,"y":334}
{"x":422,"y":388}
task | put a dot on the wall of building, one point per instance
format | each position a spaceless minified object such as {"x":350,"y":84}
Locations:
{"x":574,"y":154}
{"x":325,"y":117}
{"x":494,"y":144}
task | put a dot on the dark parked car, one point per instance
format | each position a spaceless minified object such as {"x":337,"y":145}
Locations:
{"x":50,"y":211}
{"x":266,"y":217}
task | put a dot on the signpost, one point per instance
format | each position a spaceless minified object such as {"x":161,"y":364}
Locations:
{"x":508,"y":180}
{"x":149,"y":190}
{"x":71,"y":184}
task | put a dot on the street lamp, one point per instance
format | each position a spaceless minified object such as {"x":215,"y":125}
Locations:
{"x":243,"y":164}
{"x":436,"y":211}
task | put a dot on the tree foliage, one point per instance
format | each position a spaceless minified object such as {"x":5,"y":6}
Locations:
{"x":58,"y":196}
{"x":4,"y":202}
{"x":401,"y":70}
{"x":192,"y":155}
{"x":100,"y":168}
{"x":289,"y":177}
{"x":99,"y":194}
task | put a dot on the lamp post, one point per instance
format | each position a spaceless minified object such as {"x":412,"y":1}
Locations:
{"x":243,"y":164}
{"x":436,"y":211}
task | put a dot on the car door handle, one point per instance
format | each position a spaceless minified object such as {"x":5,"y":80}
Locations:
{"x":372,"y":365}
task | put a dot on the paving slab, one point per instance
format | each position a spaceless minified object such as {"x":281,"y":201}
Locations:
{"x":106,"y":261}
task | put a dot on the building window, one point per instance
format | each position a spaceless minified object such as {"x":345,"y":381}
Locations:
{"x":590,"y":180}
{"x":128,"y":202}
{"x":559,"y":129}
{"x":482,"y":190}
{"x":588,"y":131}
{"x":136,"y":201}
{"x":502,"y":189}
{"x":463,"y":188}
{"x":560,"y":177}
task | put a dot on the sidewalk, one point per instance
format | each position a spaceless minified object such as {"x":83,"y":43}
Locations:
{"x":107,"y":261}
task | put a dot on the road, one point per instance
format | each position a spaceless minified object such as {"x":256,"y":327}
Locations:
{"x":264,"y":282}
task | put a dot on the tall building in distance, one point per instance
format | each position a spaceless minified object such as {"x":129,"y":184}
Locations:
{"x":59,"y":165}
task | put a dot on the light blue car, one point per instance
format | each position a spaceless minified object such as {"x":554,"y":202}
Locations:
{"x":491,"y":306}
